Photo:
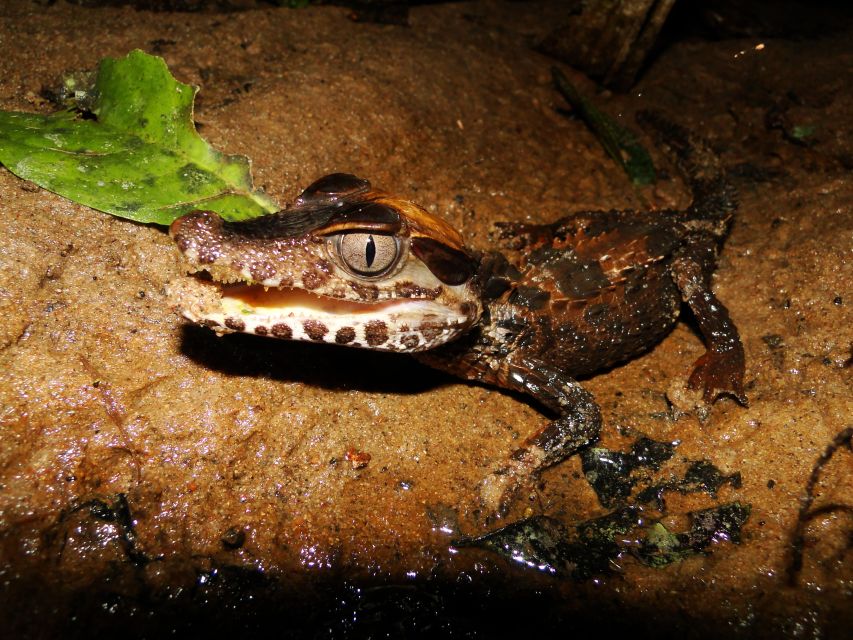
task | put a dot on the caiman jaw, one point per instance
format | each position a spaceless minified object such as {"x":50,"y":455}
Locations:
{"x":294,"y":314}
{"x":284,"y":276}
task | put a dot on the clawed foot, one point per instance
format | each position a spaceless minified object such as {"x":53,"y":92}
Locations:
{"x":719,"y":373}
{"x":497,"y":491}
{"x":577,"y":426}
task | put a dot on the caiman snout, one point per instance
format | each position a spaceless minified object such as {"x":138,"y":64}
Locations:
{"x":198,"y":235}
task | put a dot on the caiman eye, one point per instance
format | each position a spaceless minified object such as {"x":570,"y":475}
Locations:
{"x":368,"y":254}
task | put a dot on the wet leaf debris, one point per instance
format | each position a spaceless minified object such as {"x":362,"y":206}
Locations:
{"x":598,"y":546}
{"x":625,"y":482}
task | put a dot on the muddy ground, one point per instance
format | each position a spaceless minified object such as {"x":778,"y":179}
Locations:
{"x":155,"y":477}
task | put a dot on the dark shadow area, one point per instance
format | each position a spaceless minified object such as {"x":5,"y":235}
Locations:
{"x":722,"y":19}
{"x":320,"y":365}
{"x":228,"y":601}
{"x":325,"y":366}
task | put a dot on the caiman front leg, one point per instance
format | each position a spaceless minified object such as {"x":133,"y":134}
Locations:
{"x":578,"y":425}
{"x":720,"y":370}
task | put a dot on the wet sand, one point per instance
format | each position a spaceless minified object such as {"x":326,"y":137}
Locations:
{"x":154,"y":476}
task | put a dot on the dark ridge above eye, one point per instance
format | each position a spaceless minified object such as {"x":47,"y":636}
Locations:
{"x":367,"y":216}
{"x":284,"y":224}
{"x":332,"y":188}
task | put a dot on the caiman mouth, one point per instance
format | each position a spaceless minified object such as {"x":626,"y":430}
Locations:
{"x":254,"y":299}
{"x":296,"y":314}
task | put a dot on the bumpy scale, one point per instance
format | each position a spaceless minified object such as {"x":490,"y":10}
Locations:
{"x":353,"y":266}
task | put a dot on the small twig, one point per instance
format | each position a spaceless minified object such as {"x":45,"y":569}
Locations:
{"x":842,"y":438}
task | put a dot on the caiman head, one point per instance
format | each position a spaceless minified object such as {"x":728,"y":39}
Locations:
{"x":345,"y":264}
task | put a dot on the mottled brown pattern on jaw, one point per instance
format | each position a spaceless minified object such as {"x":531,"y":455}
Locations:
{"x":261,"y":271}
{"x":411,"y":290}
{"x":324,"y":266}
{"x":261,"y":330}
{"x":312,"y":279}
{"x":365,"y":291}
{"x":315,"y":329}
{"x":376,"y":333}
{"x":316,"y":276}
{"x":430,"y":330}
{"x":208,"y":255}
{"x":410,"y":341}
{"x":235,"y":323}
{"x":281,"y":330}
{"x":345,"y":335}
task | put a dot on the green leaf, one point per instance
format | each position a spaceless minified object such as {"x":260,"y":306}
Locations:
{"x":620,"y":142}
{"x":141,"y":158}
{"x":804,"y":131}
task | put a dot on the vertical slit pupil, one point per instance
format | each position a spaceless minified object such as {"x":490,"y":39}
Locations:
{"x":370,"y":251}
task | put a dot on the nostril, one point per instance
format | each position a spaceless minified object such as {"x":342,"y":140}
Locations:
{"x":199,"y":236}
{"x":194,"y":223}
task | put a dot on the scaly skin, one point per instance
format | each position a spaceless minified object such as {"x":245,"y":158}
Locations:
{"x":562,"y":300}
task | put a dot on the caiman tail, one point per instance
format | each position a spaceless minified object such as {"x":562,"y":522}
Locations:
{"x":714,"y":197}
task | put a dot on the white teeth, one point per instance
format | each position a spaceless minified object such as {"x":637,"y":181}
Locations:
{"x":266,"y":309}
{"x":385,"y":335}
{"x":392,"y":325}
{"x":297,"y":315}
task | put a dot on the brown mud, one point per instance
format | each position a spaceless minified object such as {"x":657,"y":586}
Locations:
{"x":155,"y":477}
